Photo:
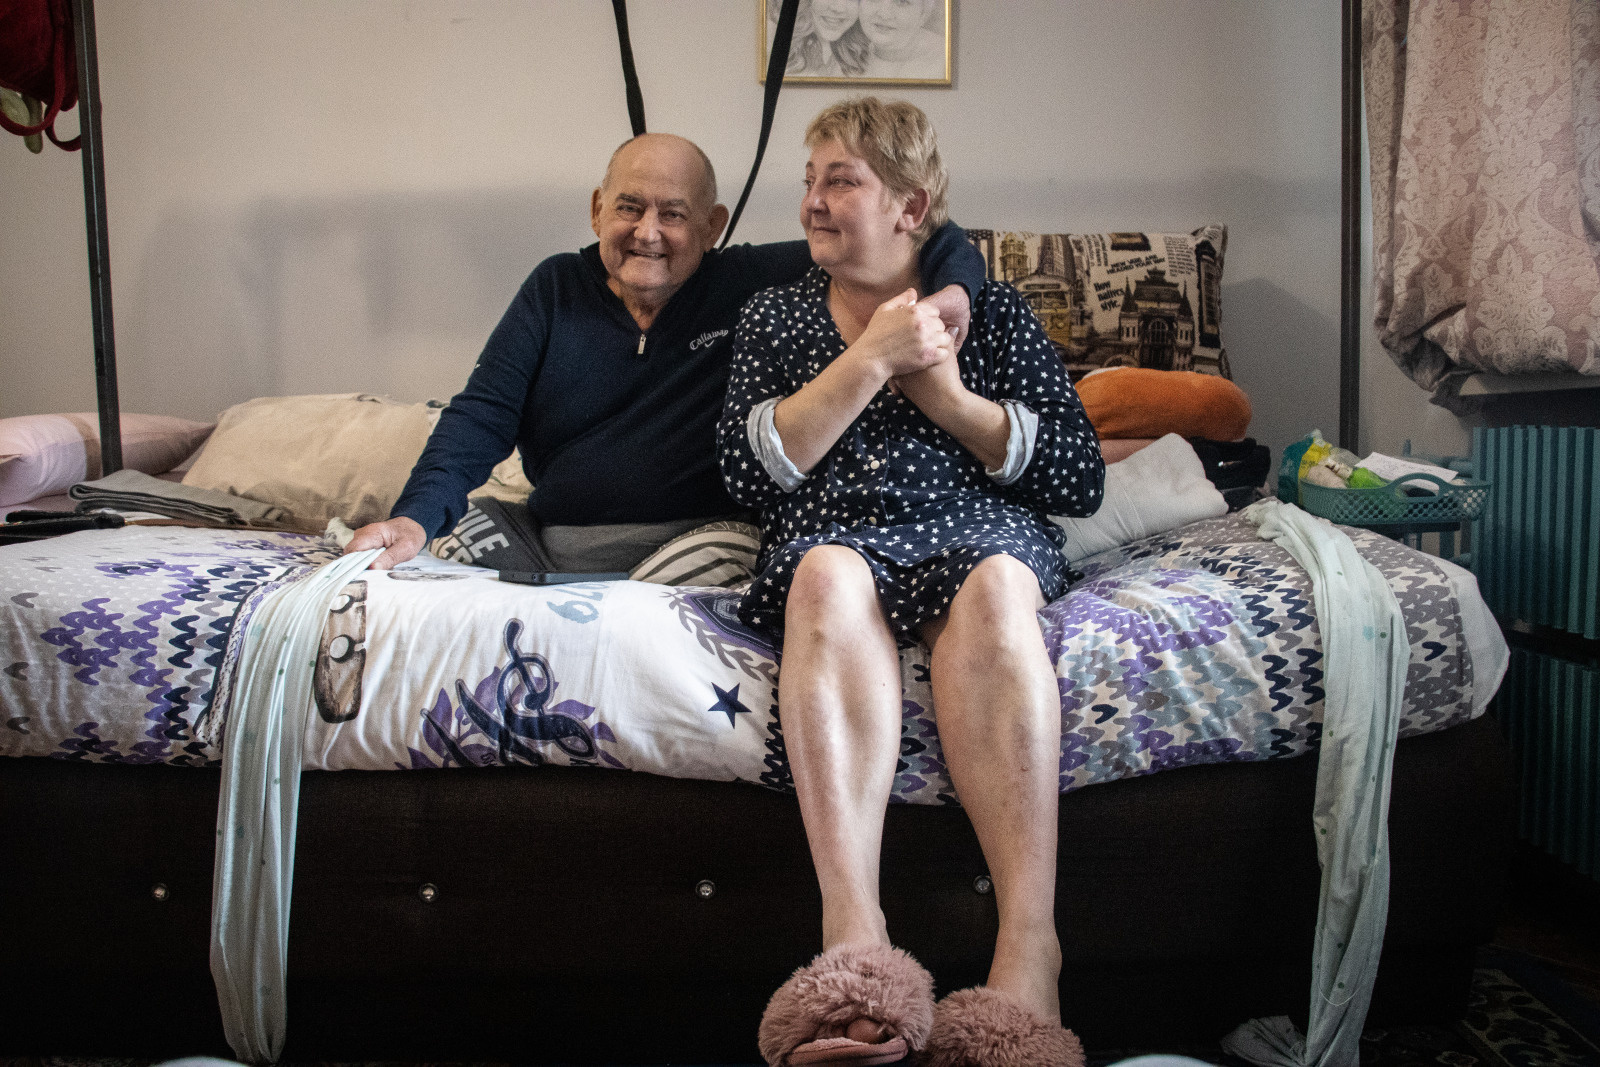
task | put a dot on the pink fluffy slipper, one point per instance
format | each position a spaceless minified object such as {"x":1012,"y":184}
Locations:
{"x":982,"y":1027}
{"x":807,"y":1016}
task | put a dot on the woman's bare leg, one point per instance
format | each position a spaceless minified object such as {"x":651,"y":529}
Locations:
{"x":839,"y":699}
{"x":999,"y":715}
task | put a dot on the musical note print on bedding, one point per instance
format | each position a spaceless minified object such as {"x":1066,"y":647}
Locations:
{"x":504,"y":720}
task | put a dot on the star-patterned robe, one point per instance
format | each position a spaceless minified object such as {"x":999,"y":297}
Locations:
{"x":895,"y":487}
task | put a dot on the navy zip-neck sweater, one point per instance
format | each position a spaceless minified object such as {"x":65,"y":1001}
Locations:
{"x":615,"y":424}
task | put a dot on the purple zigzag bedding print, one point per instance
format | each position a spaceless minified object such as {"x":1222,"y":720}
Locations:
{"x":116,"y":646}
{"x":1196,"y":646}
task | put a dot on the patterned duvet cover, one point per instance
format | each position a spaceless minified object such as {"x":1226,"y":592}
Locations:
{"x":1196,"y":646}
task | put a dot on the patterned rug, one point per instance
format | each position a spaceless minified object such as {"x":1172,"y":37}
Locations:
{"x":1519,"y":1015}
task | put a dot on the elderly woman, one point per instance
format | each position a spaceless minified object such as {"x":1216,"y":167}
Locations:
{"x":905,"y":486}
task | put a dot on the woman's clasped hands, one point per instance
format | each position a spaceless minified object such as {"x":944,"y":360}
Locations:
{"x":912,"y":352}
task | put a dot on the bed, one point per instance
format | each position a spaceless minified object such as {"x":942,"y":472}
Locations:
{"x":566,"y":912}
{"x":476,"y":880}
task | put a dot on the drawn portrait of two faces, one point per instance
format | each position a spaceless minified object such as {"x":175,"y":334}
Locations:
{"x":865,"y":40}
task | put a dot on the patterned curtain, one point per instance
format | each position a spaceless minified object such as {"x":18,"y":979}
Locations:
{"x":1483,"y":118}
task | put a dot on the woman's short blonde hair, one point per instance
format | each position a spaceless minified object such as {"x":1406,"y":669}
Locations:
{"x":898,"y":143}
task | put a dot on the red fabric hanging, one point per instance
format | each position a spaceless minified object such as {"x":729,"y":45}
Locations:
{"x":37,"y":59}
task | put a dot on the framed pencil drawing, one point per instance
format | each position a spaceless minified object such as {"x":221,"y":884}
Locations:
{"x":862,"y":42}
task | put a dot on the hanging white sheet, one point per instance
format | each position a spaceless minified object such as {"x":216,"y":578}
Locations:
{"x":1365,"y":655}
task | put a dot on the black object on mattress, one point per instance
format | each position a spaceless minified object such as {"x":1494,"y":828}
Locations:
{"x":560,"y":915}
{"x":1236,"y":468}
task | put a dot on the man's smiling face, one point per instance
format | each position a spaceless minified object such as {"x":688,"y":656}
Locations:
{"x":655,"y":217}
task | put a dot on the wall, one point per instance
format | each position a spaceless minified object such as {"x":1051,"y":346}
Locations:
{"x":329,"y":195}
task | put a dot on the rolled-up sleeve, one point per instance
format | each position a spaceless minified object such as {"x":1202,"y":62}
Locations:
{"x":757,"y":375}
{"x":768,"y":445}
{"x":1064,"y":475}
{"x":1024,"y":427}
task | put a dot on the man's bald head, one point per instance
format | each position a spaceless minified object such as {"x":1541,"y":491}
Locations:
{"x":671,"y":148}
{"x":656,"y":215}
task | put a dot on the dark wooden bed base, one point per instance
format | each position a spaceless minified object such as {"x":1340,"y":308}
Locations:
{"x":565,"y":922}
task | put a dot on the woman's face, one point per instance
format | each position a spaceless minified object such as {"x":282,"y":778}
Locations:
{"x":831,"y":18}
{"x":850,"y":218}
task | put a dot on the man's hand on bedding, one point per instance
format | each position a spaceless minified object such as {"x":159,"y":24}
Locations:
{"x":401,"y":539}
{"x":955,"y":311}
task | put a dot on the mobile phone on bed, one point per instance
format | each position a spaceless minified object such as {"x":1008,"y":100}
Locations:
{"x":559,"y":577}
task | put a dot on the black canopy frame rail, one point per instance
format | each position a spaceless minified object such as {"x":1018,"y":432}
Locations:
{"x":94,"y":210}
{"x":94,"y":201}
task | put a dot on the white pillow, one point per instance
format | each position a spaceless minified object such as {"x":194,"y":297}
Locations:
{"x":1158,"y":488}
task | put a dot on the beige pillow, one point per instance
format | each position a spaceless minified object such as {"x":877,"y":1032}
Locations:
{"x":344,"y":455}
{"x":1154,"y":300}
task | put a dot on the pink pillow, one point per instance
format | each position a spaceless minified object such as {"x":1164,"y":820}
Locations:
{"x":41,"y":455}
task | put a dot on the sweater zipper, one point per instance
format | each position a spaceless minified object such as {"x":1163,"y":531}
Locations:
{"x":641,"y":344}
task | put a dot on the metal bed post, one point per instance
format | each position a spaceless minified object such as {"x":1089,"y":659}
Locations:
{"x":1350,"y":232}
{"x":94,"y":211}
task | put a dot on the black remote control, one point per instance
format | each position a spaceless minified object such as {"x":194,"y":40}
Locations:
{"x":55,"y":523}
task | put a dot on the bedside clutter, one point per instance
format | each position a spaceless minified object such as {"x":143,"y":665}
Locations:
{"x":1130,"y":407}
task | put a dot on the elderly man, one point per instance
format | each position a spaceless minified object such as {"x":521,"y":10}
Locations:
{"x":608,"y":371}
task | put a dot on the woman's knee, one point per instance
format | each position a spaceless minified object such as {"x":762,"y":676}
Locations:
{"x":832,"y":581}
{"x":1000,"y":597}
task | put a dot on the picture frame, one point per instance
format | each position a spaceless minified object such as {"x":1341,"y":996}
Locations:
{"x":862,"y":42}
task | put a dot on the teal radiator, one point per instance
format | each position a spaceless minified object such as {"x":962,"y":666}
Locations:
{"x":1536,"y":553}
{"x":1549,"y":709}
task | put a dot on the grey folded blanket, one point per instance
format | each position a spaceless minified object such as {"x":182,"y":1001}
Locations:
{"x":128,"y":490}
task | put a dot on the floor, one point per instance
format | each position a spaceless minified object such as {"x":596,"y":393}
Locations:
{"x":1536,"y":995}
{"x":1553,"y":915}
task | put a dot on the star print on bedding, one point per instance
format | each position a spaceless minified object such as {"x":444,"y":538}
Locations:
{"x":1195,"y":646}
{"x":918,"y":507}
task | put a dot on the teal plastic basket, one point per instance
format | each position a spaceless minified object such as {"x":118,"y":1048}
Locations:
{"x":1388,"y":505}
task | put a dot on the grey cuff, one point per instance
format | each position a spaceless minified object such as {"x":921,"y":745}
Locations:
{"x":768,"y":446}
{"x":1019,"y":446}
